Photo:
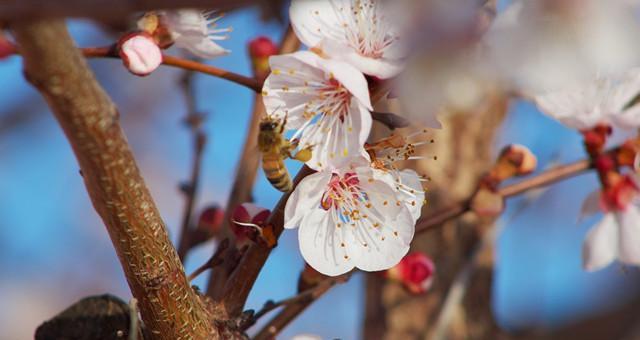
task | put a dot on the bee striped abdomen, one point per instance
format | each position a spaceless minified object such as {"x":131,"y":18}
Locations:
{"x":276,"y":172}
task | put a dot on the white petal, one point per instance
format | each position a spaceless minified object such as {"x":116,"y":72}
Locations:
{"x":590,"y":205}
{"x":186,"y":20}
{"x":202,"y":47}
{"x":410,"y":188}
{"x":600,"y":247}
{"x":380,"y":67}
{"x":323,"y":246}
{"x":336,"y":147}
{"x":382,"y":247}
{"x":306,"y":196}
{"x":313,"y":20}
{"x":629,"y":236}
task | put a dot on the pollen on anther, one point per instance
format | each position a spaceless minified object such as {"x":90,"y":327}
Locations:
{"x":385,"y":203}
{"x":276,"y":71}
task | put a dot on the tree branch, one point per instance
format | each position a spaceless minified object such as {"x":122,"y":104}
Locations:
{"x":105,"y":10}
{"x":169,"y":307}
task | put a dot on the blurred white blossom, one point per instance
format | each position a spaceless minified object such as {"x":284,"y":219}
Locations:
{"x":540,"y":45}
{"x":196,"y":31}
{"x":602,"y":100}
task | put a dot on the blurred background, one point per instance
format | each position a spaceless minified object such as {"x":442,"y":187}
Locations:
{"x":54,"y":249}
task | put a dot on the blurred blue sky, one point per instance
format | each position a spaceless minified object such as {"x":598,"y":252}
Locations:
{"x":54,"y":249}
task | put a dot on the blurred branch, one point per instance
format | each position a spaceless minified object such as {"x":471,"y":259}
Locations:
{"x":169,"y":307}
{"x":104,"y":10}
{"x":543,"y":179}
{"x":246,"y":173}
{"x":194,"y":121}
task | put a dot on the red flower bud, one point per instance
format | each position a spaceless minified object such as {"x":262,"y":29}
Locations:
{"x":7,"y":48}
{"x":247,"y":222}
{"x":415,"y":271}
{"x":262,"y":47}
{"x":619,"y":192}
{"x":211,"y":219}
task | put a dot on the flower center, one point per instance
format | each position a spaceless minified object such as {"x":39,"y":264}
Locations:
{"x":344,"y":195}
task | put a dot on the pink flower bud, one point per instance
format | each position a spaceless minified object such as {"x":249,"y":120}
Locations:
{"x":415,"y":271}
{"x":140,"y":54}
{"x":211,"y":219}
{"x":247,"y":222}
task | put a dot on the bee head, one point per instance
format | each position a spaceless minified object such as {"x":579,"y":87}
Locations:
{"x":268,"y":125}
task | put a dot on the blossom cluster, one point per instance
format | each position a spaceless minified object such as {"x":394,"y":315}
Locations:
{"x":192,"y":30}
{"x":357,"y":210}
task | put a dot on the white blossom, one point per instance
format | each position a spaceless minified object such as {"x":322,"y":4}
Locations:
{"x":196,"y":31}
{"x":357,"y":216}
{"x":356,"y":31}
{"x":326,"y":101}
{"x":605,"y":100}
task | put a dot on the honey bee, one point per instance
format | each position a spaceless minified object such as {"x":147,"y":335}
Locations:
{"x":275,"y":149}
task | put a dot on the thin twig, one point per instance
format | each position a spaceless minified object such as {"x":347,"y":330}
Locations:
{"x":309,"y":294}
{"x":295,"y":308}
{"x":134,"y":324}
{"x":186,"y":64}
{"x":194,"y":122}
{"x":215,"y":260}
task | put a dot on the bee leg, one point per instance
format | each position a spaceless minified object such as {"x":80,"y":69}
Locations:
{"x":303,"y":155}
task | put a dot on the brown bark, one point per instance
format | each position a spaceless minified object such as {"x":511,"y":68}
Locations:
{"x":169,"y":307}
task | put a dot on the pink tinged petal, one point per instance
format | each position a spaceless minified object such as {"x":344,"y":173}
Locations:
{"x":140,"y":54}
{"x":326,"y":248}
{"x":600,"y":247}
{"x":629,"y":235}
{"x":304,"y":198}
{"x":352,"y":79}
{"x":590,"y":205}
